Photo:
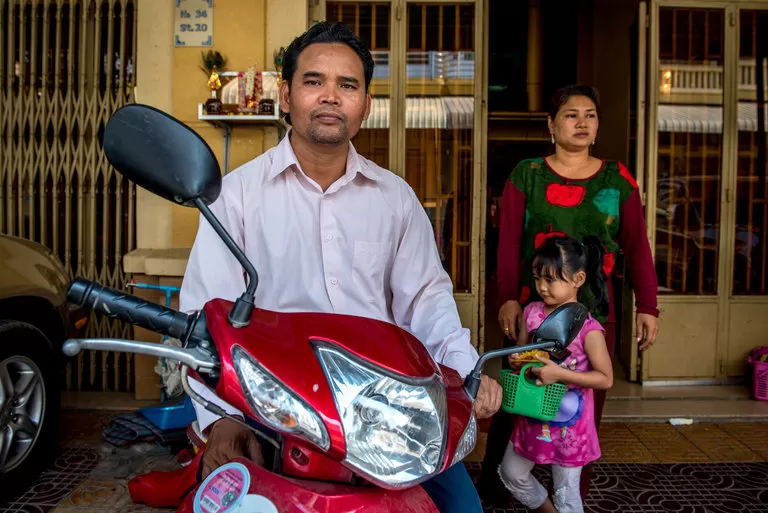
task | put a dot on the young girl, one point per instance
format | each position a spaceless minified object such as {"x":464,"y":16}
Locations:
{"x":561,"y":267}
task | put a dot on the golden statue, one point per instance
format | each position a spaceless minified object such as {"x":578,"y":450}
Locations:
{"x":213,"y":104}
{"x":214,"y":82}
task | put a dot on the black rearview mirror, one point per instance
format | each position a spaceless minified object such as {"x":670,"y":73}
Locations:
{"x":554,"y":335}
{"x":562,"y":325}
{"x":163,"y":155}
{"x":166,"y":157}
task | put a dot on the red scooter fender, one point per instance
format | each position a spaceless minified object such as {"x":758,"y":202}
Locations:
{"x":241,"y":481}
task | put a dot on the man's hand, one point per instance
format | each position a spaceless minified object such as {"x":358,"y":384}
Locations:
{"x":510,"y":316}
{"x":228,"y":440}
{"x":647,"y":330}
{"x":488,"y":399}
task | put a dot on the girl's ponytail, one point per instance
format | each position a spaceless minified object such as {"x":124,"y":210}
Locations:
{"x":596,"y":279}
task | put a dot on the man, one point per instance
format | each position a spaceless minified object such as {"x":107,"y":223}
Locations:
{"x":330,"y":231}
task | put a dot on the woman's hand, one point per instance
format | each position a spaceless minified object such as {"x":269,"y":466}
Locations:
{"x":547,"y":374}
{"x":647,"y":330}
{"x":510,"y":317}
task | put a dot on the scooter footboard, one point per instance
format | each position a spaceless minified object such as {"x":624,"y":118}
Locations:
{"x":241,"y":486}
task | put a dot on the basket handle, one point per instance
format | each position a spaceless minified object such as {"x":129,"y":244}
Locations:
{"x":523,"y":374}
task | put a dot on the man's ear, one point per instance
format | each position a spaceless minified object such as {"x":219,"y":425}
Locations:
{"x":284,"y":96}
{"x":368,"y":101}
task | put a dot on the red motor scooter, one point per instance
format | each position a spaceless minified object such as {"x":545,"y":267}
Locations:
{"x":354,"y":413}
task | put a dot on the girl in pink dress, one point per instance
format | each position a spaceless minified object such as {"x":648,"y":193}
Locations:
{"x":561,"y":267}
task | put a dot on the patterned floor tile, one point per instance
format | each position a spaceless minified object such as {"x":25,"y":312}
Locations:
{"x":683,"y":488}
{"x":102,"y":497}
{"x":667,"y":444}
{"x":63,"y":475}
{"x":718,"y":444}
{"x":752,"y":434}
{"x":618,"y":444}
{"x":646,"y":468}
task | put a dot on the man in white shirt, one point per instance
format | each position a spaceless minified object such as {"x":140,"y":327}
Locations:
{"x":330,"y":231}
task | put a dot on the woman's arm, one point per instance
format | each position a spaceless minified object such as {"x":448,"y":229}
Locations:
{"x":510,"y":240}
{"x":600,"y":377}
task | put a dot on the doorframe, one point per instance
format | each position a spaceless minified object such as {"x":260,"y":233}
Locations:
{"x":726,"y":245}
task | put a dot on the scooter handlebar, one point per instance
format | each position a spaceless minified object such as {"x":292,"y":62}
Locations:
{"x":139,"y":312}
{"x":472,"y":381}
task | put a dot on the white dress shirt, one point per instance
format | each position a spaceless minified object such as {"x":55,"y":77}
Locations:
{"x":363,"y":247}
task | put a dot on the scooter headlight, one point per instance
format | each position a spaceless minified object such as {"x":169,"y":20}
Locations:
{"x":275,"y":404}
{"x":394,"y":429}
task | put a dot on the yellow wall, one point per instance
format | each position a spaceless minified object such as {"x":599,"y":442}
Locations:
{"x":239,"y":34}
{"x":246,"y":32}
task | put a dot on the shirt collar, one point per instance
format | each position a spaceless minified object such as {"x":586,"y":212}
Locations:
{"x":286,"y":159}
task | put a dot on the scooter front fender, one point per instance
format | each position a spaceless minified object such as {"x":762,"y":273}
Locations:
{"x":289,"y":495}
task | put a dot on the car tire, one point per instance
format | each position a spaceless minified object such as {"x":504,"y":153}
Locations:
{"x":26,"y":354}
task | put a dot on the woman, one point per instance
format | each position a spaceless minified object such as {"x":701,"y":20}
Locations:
{"x":572,"y":192}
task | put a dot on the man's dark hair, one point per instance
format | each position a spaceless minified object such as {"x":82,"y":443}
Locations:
{"x":325,"y":32}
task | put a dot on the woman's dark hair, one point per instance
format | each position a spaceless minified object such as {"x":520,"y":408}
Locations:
{"x":326,"y":32}
{"x":559,"y":258}
{"x":564,"y":94}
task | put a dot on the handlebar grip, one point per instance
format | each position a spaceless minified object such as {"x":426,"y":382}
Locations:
{"x":139,"y":312}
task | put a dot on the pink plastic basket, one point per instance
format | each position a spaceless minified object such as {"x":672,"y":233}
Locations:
{"x":760,"y":381}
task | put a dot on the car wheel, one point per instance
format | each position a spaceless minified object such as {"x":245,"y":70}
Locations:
{"x":29,"y":404}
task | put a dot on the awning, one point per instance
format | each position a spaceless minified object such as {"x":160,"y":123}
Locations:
{"x":445,"y":112}
{"x":704,"y":119}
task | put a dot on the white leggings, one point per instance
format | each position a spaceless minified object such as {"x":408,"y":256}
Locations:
{"x":515,"y":473}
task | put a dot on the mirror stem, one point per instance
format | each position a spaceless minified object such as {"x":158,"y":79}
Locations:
{"x":472,"y":381}
{"x":240,"y":315}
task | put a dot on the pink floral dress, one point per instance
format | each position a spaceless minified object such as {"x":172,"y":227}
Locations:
{"x":570,"y":439}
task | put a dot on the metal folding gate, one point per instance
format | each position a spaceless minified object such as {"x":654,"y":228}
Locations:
{"x":65,"y":67}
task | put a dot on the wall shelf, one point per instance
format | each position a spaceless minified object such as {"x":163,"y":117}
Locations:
{"x":227,"y":122}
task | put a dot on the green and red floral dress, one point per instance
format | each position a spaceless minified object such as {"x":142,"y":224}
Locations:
{"x":538,"y":203}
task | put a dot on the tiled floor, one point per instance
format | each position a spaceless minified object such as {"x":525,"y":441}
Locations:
{"x":707,"y":468}
{"x":682,"y":487}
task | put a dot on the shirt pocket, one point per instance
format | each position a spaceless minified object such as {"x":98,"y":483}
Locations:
{"x":370,"y":270}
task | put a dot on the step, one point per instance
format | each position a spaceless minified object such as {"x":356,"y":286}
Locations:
{"x":630,"y":391}
{"x":698,"y":409}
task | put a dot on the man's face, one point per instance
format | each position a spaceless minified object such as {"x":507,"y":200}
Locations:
{"x":327,"y":99}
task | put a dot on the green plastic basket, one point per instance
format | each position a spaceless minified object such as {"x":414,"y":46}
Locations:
{"x":524,"y":397}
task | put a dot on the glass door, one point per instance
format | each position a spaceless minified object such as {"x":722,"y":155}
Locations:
{"x":748,"y":302}
{"x":687,"y":153}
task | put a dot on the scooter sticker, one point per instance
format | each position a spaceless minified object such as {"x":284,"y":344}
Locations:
{"x":223,"y":490}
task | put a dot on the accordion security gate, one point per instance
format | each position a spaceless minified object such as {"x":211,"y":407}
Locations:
{"x":65,"y":67}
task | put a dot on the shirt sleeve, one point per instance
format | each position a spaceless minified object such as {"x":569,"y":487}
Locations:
{"x":637,"y":251}
{"x":422,"y":293}
{"x":510,"y":241}
{"x":592,"y":325}
{"x":212,"y":270}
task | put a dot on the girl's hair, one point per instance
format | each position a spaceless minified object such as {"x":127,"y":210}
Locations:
{"x":564,"y":94}
{"x":560,"y":257}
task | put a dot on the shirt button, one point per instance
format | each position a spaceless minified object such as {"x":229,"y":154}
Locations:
{"x":334,"y":281}
{"x":328,"y":237}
